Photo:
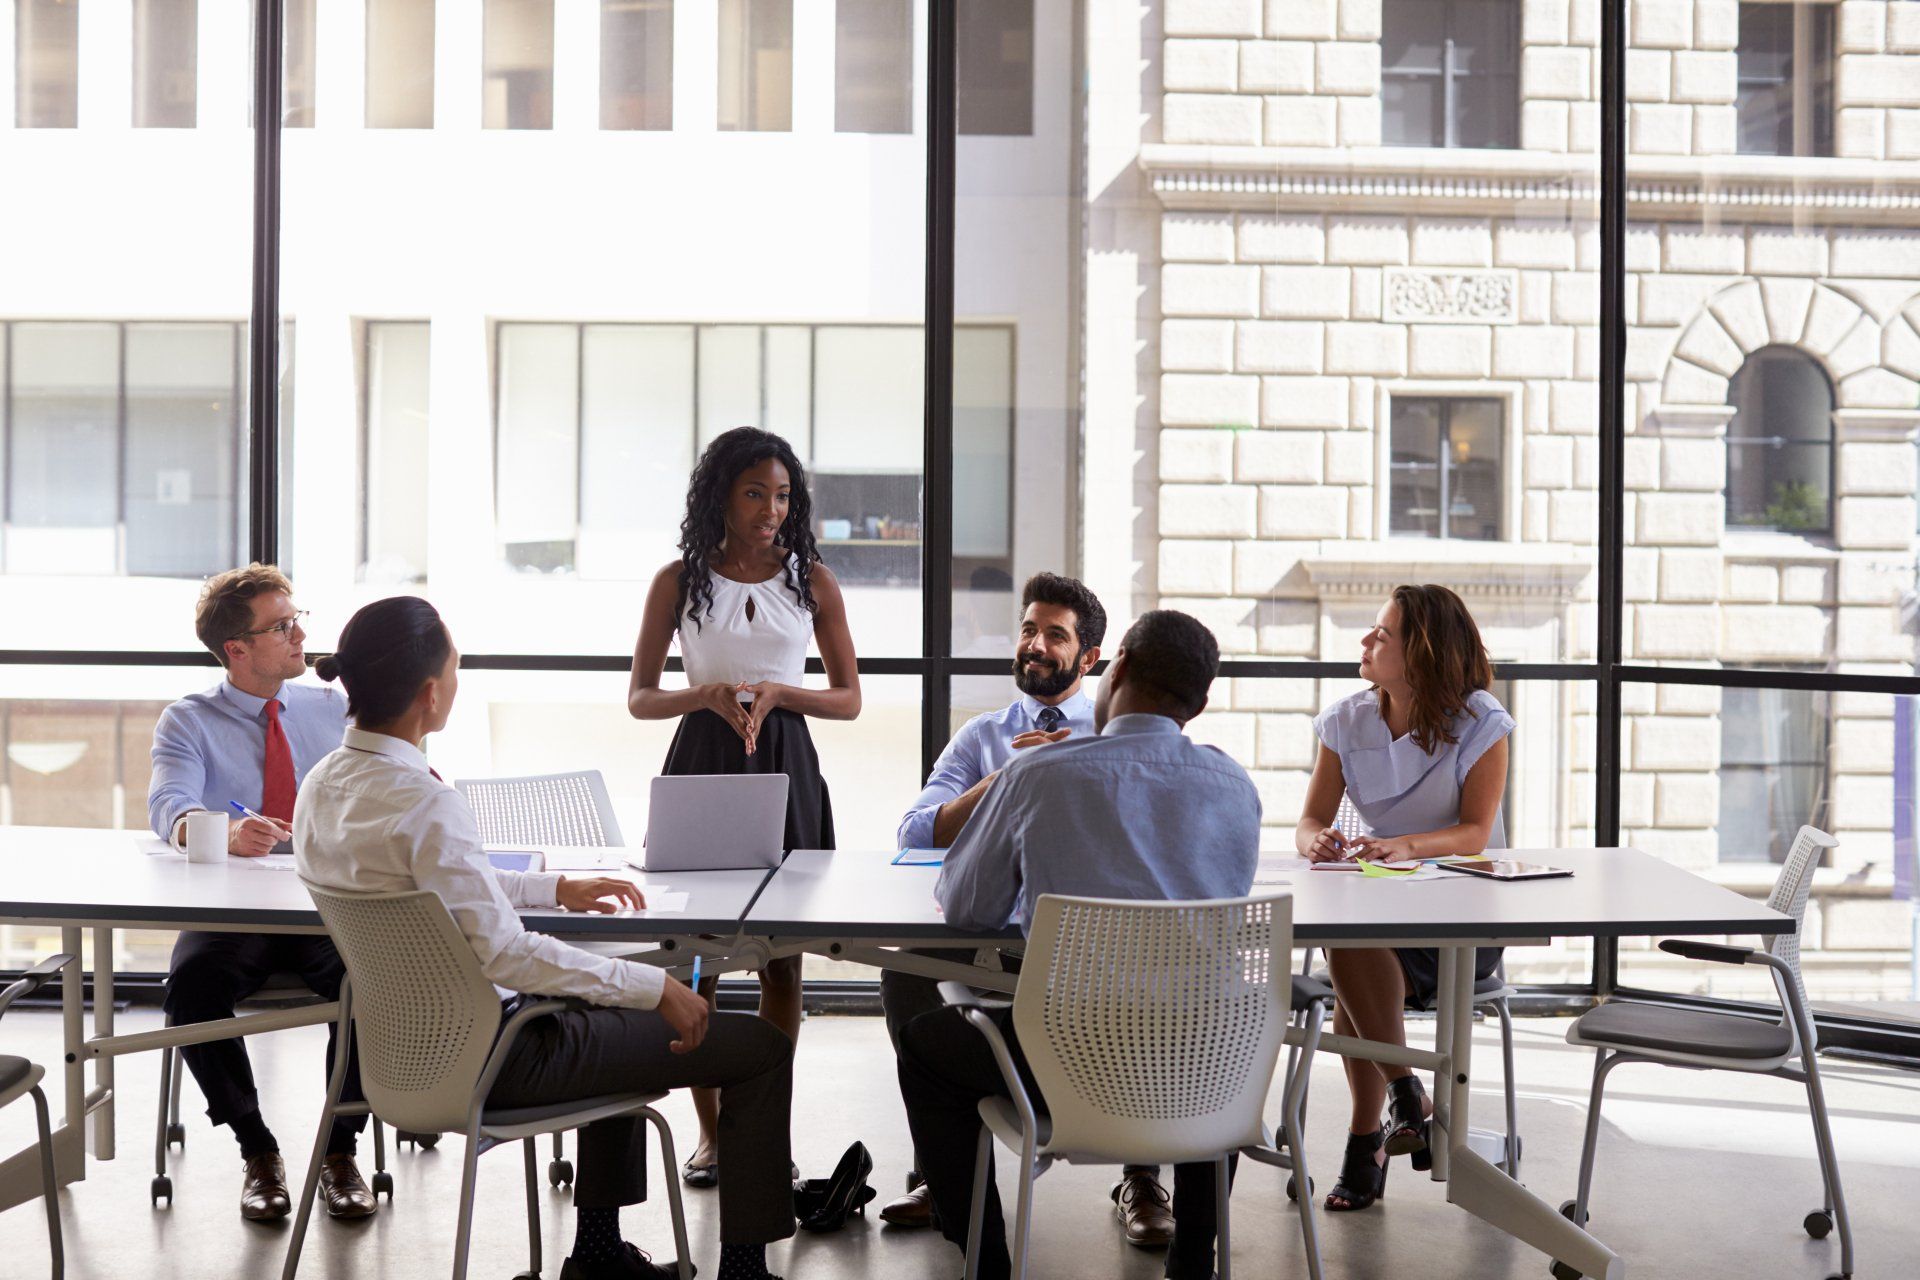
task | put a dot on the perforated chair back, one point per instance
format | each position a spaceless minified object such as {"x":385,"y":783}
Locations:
{"x":553,"y":808}
{"x":1348,"y":819}
{"x":1790,"y":893}
{"x":1153,"y":1028}
{"x":424,"y":1015}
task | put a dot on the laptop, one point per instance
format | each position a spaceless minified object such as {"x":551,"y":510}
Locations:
{"x":715,"y":822}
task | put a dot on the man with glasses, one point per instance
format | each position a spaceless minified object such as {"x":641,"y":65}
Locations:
{"x":250,"y":740}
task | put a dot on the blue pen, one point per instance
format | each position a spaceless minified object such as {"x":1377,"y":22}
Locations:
{"x":245,"y":812}
{"x":695,"y":980}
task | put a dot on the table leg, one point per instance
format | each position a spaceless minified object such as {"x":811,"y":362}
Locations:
{"x":1477,"y":1184}
{"x":103,"y":1115}
{"x":74,"y":1030}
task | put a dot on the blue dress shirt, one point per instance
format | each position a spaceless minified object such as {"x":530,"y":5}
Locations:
{"x":211,"y":747}
{"x":1139,"y":811}
{"x":983,"y":745}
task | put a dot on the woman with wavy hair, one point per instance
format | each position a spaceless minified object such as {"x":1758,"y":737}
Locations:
{"x":745,"y":597}
{"x":1421,"y":756}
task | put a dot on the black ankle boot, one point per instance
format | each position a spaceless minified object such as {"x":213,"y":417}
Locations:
{"x":1362,"y":1179}
{"x":1406,"y":1123}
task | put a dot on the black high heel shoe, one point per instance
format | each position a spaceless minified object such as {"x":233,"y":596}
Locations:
{"x":1407,"y":1124}
{"x":1362,"y":1179}
{"x":824,"y":1204}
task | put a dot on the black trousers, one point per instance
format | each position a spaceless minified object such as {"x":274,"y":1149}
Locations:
{"x":213,"y":972}
{"x":946,"y":1068}
{"x":905,"y":996}
{"x":585,"y":1052}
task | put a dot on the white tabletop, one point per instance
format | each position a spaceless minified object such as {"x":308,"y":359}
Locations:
{"x":853,"y":894}
{"x":72,"y":876}
{"x":1612,"y":893}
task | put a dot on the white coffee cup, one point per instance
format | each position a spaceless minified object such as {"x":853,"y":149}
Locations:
{"x":206,"y":837}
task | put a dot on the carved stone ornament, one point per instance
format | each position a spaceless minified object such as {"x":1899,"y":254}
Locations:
{"x":1452,"y":297}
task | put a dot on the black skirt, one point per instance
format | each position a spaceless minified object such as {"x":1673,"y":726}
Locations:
{"x":1421,"y":965}
{"x":704,"y":743}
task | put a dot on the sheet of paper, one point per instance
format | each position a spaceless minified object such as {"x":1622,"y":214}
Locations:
{"x":156,"y":847}
{"x":270,"y":862}
{"x":585,"y":859}
{"x":660,"y":902}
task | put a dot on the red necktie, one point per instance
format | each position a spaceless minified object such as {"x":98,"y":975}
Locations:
{"x":276,"y":795}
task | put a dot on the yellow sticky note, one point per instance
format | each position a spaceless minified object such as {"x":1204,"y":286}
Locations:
{"x":1381,"y":870}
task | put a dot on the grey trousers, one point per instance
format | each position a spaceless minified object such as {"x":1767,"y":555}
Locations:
{"x":583,"y":1053}
{"x":905,"y":996}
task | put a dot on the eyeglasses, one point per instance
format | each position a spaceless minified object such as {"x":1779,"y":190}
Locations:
{"x":284,"y":627}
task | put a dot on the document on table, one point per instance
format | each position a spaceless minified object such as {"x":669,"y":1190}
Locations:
{"x":583,"y":858}
{"x":267,"y":862}
{"x":661,"y":901}
{"x":155,"y":847}
{"x":1278,"y":869}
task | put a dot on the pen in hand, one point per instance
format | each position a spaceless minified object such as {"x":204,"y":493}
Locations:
{"x":249,"y":835}
{"x":694,"y":981}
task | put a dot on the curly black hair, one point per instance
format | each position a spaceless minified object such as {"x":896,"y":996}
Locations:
{"x":704,"y":527}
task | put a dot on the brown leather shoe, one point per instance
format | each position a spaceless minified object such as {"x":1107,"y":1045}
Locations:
{"x":1144,"y":1210}
{"x":914,"y":1209}
{"x":263,"y":1195}
{"x":343,"y":1191}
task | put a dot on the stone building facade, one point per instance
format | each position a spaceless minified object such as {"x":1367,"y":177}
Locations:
{"x":1326,"y":299}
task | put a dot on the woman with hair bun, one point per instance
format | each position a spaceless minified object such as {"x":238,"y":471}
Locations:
{"x":745,"y":597}
{"x":373,"y":817}
{"x":1421,"y":754}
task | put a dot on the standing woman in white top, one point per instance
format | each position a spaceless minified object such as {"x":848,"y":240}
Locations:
{"x":1422,"y":756}
{"x":745,"y":597}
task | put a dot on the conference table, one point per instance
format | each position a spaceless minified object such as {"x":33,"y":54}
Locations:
{"x":854,"y":905}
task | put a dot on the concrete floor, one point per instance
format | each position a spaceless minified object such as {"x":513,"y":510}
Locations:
{"x":1699,"y":1176}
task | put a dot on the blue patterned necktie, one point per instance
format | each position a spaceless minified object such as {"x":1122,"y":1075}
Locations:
{"x":1050,"y":718}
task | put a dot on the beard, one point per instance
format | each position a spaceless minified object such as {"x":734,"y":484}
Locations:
{"x":1043,"y":679}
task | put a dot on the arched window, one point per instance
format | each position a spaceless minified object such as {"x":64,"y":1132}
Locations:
{"x":1780,"y":444}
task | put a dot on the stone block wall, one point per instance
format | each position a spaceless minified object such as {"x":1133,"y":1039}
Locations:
{"x":1289,"y":326}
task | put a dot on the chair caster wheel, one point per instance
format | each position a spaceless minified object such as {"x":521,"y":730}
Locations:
{"x":162,"y":1186}
{"x":1561,"y":1271}
{"x":1566,"y":1211}
{"x":528,"y":1275}
{"x":1818,"y":1224}
{"x":1293,"y":1189}
{"x":559,"y":1173}
{"x":383,"y":1185}
{"x":177,"y":1136}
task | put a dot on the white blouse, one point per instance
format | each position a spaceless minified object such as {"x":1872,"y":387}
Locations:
{"x":373,"y":818}
{"x":725,"y":646}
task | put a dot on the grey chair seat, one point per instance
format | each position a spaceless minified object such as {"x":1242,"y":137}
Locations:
{"x":12,"y":1071}
{"x":1490,"y":987}
{"x":1627,"y":1024}
{"x":512,"y":1117}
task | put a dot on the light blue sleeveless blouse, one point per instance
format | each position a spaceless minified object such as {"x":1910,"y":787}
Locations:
{"x":1397,"y":788}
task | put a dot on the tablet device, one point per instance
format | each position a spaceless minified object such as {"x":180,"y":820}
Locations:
{"x":716,"y":822}
{"x":1504,"y":869}
{"x":517,"y":859}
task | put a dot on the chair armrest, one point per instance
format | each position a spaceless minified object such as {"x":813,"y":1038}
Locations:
{"x":959,"y":995}
{"x":1713,"y":951}
{"x":503,"y":1044}
{"x":34,"y":979}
